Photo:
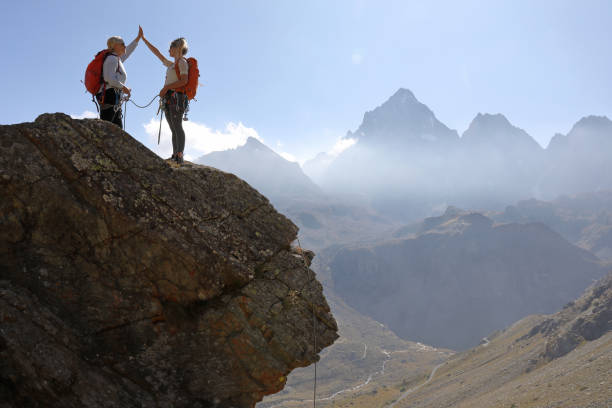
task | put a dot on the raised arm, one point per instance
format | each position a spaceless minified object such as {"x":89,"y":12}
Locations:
{"x":132,"y":46}
{"x":155,"y":51}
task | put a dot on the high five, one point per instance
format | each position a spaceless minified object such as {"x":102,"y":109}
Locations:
{"x":105,"y":79}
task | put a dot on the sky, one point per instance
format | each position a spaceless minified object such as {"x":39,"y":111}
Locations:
{"x":299,"y":74}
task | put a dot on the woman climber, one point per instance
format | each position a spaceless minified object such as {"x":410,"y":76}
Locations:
{"x":174,"y":98}
{"x":114,"y":76}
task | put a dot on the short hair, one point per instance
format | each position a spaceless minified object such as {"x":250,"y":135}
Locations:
{"x":114,"y":40}
{"x":181,"y":43}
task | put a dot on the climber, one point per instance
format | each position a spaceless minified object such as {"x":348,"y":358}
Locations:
{"x":114,"y":76}
{"x":174,"y":98}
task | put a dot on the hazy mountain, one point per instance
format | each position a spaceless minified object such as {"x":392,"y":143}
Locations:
{"x":401,"y":154}
{"x":462,"y":277}
{"x":495,"y":132}
{"x":408,"y":164}
{"x":282,"y":181}
{"x":499,"y":162}
{"x":579,"y":162}
{"x":402,"y":121}
{"x":316,"y":167}
{"x":583,"y":219}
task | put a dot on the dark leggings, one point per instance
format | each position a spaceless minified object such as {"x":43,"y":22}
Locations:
{"x":174,"y":108}
{"x":108,"y":112}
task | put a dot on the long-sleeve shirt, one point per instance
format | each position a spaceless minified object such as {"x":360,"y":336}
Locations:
{"x":113,"y":70}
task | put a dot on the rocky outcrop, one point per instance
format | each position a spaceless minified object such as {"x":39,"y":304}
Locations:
{"x":586,"y":319}
{"x":125,"y":282}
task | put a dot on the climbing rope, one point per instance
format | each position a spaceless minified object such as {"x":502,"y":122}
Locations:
{"x":125,"y":101}
{"x":314,"y":333}
{"x":147,"y":105}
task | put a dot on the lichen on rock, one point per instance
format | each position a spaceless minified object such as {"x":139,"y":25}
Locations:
{"x":126,"y":282}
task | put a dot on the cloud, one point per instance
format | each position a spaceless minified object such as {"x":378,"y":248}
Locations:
{"x":199,"y":138}
{"x":341,"y":145}
{"x":288,"y":156}
{"x":85,"y":115}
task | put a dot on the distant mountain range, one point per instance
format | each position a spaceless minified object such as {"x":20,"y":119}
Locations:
{"x":584,"y":219}
{"x":464,"y":275}
{"x":407,"y":163}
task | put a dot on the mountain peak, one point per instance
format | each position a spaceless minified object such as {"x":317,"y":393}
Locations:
{"x":403,"y":96}
{"x":491,"y":120}
{"x":254,"y":143}
{"x":490,"y":128}
{"x":594,"y":120}
{"x":402,"y":117}
{"x":592,"y":123}
{"x":270,"y":173}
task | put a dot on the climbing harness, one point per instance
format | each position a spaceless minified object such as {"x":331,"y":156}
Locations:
{"x":314,"y":332}
{"x":125,"y":99}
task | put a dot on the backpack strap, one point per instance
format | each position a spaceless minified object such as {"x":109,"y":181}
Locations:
{"x":178,"y":76}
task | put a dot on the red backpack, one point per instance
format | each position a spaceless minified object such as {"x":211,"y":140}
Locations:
{"x":192,"y":78}
{"x":93,"y":73}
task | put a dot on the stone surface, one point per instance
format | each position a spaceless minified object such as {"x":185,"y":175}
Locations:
{"x":586,"y":319}
{"x":125,"y":282}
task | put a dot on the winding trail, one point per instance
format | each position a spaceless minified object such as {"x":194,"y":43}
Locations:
{"x":369,"y":379}
{"x":413,"y":389}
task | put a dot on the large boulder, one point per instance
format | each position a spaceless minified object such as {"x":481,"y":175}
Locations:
{"x":126,"y":282}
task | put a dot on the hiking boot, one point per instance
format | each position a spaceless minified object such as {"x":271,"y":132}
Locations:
{"x":173,"y":158}
{"x":179,"y":159}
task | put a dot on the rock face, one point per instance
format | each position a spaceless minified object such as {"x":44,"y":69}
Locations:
{"x":125,"y":282}
{"x":586,"y":319}
{"x":462,"y":277}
